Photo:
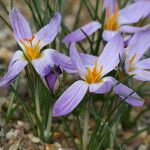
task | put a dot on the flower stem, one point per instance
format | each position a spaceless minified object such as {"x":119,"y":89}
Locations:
{"x":12,"y":96}
{"x":47,"y":132}
{"x":37,"y":101}
{"x":85,"y":127}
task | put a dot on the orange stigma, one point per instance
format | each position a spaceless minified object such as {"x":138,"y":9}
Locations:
{"x":30,"y":40}
{"x":31,"y":51}
{"x":93,"y":75}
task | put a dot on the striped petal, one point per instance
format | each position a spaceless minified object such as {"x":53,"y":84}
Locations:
{"x":70,"y":98}
{"x":20,"y":26}
{"x":81,"y":33}
{"x":128,"y":95}
{"x":16,"y":65}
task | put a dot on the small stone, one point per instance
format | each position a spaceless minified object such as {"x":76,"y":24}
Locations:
{"x":142,"y":147}
{"x":34,"y":139}
{"x":10,"y":134}
{"x":15,"y":146}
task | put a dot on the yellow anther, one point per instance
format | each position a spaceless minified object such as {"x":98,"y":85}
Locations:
{"x":93,"y":75}
{"x":31,"y":51}
{"x":131,"y":61}
{"x":112,"y":23}
{"x":112,"y":20}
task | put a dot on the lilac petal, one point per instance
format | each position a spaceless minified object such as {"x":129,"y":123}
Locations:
{"x":109,"y":58}
{"x":140,"y":0}
{"x":144,"y":64}
{"x":79,"y":34}
{"x":134,"y":12}
{"x":63,"y":61}
{"x":141,"y":75}
{"x":76,"y":59}
{"x":51,"y":77}
{"x":70,"y":98}
{"x":102,"y":87}
{"x":20,"y":26}
{"x":16,"y":65}
{"x":108,"y":34}
{"x":127,"y":94}
{"x":88,"y":59}
{"x":131,"y":29}
{"x":41,"y":64}
{"x":110,"y":5}
{"x":139,"y":44}
{"x":47,"y":34}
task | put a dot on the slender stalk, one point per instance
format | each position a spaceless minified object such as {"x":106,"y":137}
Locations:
{"x":47,"y":132}
{"x":12,"y":96}
{"x":37,"y":101}
{"x":6,"y":23}
{"x":85,"y":127}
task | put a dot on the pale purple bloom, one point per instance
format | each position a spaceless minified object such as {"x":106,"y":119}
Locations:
{"x":120,"y":20}
{"x":82,"y":32}
{"x":93,"y":77}
{"x":135,"y":64}
{"x":31,"y":45}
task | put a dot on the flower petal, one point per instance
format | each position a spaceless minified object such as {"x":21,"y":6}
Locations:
{"x":102,"y":87}
{"x":47,"y":34}
{"x":51,"y":77}
{"x":43,"y":63}
{"x":78,"y":34}
{"x":134,"y":12}
{"x":88,"y":59}
{"x":141,"y":75}
{"x":130,"y":29}
{"x":144,"y":64}
{"x":76,"y":59}
{"x":109,"y":58}
{"x":20,"y":26}
{"x":139,"y":44}
{"x":128,"y":95}
{"x":16,"y":65}
{"x":70,"y":98}
{"x":63,"y":61}
{"x":108,"y":34}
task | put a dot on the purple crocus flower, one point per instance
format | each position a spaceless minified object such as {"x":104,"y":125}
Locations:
{"x":93,"y":78}
{"x":134,"y":63}
{"x":31,"y":45}
{"x":120,"y":20}
{"x":81,"y":33}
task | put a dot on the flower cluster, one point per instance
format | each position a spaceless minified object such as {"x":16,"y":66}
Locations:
{"x":94,"y":71}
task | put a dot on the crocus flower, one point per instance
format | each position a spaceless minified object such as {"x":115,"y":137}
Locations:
{"x":93,"y":78}
{"x":82,"y":32}
{"x":135,"y":63}
{"x":120,"y":20}
{"x":31,"y":45}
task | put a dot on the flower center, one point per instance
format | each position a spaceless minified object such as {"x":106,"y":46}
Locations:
{"x":131,"y":61}
{"x":111,"y":21}
{"x":93,"y":75}
{"x":32,"y":51}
